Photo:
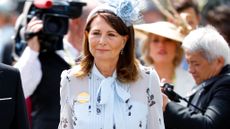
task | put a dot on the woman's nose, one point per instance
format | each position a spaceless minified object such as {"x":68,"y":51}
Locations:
{"x":161,"y":43}
{"x":102,"y":40}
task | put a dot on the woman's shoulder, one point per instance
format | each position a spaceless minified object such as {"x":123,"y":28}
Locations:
{"x":71,"y":84}
{"x":69,"y":75}
{"x":147,"y":76}
{"x":71,"y":72}
{"x":147,"y":71}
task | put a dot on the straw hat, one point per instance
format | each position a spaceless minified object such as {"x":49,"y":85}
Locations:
{"x":161,"y":28}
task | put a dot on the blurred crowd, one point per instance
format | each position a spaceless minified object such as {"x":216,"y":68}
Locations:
{"x":200,"y":12}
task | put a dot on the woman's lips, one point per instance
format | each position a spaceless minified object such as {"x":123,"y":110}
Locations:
{"x":162,"y":52}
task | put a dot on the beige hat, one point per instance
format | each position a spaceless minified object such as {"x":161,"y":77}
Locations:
{"x":162,"y":28}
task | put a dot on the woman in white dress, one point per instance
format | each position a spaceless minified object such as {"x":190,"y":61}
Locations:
{"x":109,"y":89}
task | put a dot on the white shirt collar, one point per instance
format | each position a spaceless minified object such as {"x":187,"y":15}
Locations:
{"x":96,"y":72}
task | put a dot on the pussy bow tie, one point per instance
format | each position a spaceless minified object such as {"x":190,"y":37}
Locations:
{"x":113,"y":97}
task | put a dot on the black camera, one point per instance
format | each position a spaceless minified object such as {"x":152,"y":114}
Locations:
{"x":168,"y":90}
{"x":173,"y":96}
{"x":55,"y":16}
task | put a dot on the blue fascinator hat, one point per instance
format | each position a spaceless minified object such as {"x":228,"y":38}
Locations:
{"x":126,"y":10}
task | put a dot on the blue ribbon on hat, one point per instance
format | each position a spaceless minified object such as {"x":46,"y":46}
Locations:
{"x":127,"y":10}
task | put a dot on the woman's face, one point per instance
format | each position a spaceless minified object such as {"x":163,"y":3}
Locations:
{"x":105,"y":44}
{"x":162,"y":50}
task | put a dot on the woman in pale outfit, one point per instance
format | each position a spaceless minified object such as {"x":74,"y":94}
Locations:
{"x":109,"y":89}
{"x":162,"y":50}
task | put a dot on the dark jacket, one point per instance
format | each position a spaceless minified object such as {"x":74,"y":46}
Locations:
{"x":214,"y":101}
{"x":12,"y":102}
{"x":46,"y":97}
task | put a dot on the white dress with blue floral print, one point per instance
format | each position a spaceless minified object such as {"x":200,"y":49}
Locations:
{"x":96,"y":102}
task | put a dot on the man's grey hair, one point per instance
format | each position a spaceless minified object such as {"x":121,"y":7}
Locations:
{"x":209,"y":42}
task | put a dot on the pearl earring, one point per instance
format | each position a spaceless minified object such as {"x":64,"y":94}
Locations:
{"x":121,"y":51}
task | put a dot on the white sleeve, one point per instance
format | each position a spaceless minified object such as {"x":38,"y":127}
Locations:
{"x":65,"y":113}
{"x":30,"y":70}
{"x":156,"y":120}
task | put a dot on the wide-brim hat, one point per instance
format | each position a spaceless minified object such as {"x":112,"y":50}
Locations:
{"x":161,"y":28}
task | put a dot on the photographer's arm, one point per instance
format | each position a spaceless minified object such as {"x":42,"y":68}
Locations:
{"x":28,"y":64}
{"x":30,"y":70}
{"x":215,"y":116}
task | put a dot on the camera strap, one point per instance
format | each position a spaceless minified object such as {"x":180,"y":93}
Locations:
{"x":194,"y":104}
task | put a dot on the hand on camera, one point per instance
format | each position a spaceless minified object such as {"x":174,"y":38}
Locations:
{"x":33,"y":27}
{"x":165,"y":97}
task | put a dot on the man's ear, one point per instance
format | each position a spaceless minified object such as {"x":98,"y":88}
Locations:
{"x":220,"y":61}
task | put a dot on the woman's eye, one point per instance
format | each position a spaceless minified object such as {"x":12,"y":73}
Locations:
{"x":168,"y":40}
{"x":111,"y":34}
{"x":95,"y":33}
{"x":154,"y":40}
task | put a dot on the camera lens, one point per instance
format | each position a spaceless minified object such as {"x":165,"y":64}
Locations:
{"x":55,"y":24}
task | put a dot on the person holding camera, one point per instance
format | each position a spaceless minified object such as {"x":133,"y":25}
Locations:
{"x":43,"y":59}
{"x":40,"y":74}
{"x":109,"y":88}
{"x":208,"y":57}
